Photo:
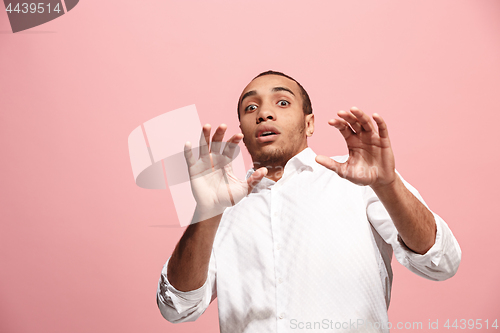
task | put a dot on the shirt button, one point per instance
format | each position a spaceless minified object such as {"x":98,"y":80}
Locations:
{"x":275,"y":214}
{"x":278,"y":247}
{"x":280,"y":280}
{"x":282,"y":315}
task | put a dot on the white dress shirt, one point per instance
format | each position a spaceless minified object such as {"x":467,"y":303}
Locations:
{"x":311,"y":252}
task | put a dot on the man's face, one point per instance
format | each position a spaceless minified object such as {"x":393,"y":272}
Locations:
{"x":272,"y":120}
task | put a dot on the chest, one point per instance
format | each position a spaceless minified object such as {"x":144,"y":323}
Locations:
{"x":311,"y":216}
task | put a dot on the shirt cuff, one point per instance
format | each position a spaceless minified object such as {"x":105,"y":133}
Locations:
{"x":181,"y":300}
{"x":433,"y":256}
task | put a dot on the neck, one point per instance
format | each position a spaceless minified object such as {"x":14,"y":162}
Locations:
{"x":275,"y":169}
{"x":275,"y":172}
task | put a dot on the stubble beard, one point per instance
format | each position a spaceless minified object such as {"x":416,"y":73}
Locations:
{"x":277,"y":157}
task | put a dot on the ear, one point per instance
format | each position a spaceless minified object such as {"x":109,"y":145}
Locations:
{"x":244,"y":137}
{"x":309,"y":119}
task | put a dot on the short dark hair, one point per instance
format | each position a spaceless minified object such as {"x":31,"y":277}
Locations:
{"x":306,"y":101}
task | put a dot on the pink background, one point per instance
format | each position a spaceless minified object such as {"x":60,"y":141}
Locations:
{"x":82,"y":246}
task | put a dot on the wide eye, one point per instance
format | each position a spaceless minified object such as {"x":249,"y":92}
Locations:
{"x":251,"y":107}
{"x":283,"y":103}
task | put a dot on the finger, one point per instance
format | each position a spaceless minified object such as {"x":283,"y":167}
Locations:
{"x":188,"y":154}
{"x":351,"y":119}
{"x":342,"y":126}
{"x":331,"y":164}
{"x":382,"y":126}
{"x":217,"y":139}
{"x":255,"y":178}
{"x":231,"y":145}
{"x":204,"y":139}
{"x":363,"y":119}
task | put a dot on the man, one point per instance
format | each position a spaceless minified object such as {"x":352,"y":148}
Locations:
{"x":306,"y":241}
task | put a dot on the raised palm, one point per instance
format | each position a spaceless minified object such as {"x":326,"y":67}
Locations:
{"x":371,"y":160}
{"x":213,"y":182}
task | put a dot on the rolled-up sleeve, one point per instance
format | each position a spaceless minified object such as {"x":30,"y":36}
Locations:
{"x":439,"y":263}
{"x":182,"y":306}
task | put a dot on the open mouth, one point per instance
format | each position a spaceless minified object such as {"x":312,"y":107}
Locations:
{"x":267,"y":136}
{"x":267,"y":133}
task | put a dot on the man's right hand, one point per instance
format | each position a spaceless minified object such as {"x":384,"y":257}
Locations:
{"x":213,"y":182}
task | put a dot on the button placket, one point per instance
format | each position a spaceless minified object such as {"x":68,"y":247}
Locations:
{"x":276,"y":206}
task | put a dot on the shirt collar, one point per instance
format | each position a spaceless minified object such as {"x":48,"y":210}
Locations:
{"x":303,"y":161}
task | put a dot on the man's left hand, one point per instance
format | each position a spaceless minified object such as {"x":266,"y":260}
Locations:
{"x":371,"y":160}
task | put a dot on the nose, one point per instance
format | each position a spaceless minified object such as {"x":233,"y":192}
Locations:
{"x":265,"y":114}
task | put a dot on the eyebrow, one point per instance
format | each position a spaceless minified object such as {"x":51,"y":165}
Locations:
{"x":254,"y":92}
{"x":275,"y":89}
